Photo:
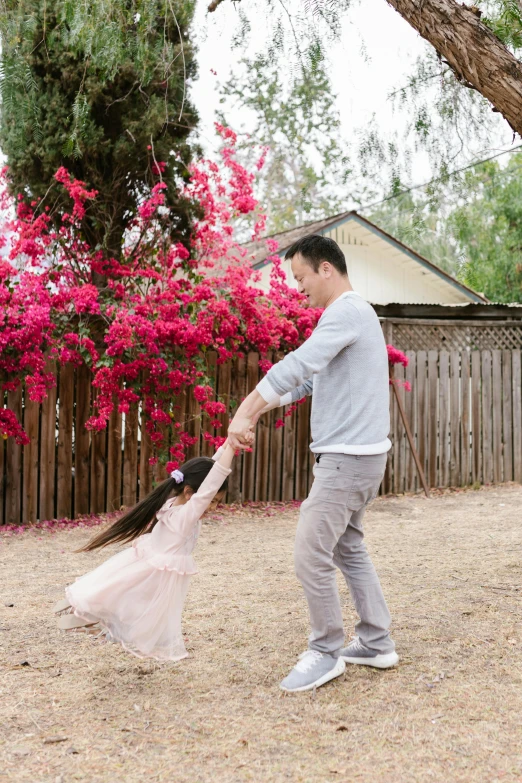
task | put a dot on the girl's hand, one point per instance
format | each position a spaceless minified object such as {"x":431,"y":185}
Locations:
{"x":249,"y":442}
{"x":250,"y":437}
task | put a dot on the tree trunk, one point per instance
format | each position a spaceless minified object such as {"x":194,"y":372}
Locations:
{"x":474,"y":53}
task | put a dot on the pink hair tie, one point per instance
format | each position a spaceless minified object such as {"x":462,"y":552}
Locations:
{"x":178,"y":476}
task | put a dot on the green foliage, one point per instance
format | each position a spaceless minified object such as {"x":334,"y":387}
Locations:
{"x":417,"y":223}
{"x":488,"y":230}
{"x":306,"y":162}
{"x":504,"y":18}
{"x":293,"y":28}
{"x":90,"y":85}
{"x":442,"y":120}
{"x":470,"y":225}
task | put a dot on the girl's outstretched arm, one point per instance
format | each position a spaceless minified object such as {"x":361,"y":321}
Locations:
{"x":224,"y":455}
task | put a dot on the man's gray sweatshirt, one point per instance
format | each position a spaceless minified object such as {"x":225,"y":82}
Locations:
{"x":344,"y":365}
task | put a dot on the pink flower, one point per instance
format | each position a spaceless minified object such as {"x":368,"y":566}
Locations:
{"x":77,"y":191}
{"x":395,"y":356}
{"x":214,"y":408}
{"x":85,"y":298}
{"x":164,"y":310}
{"x":10,"y":427}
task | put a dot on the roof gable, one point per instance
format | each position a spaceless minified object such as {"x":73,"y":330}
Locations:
{"x":257,"y":250}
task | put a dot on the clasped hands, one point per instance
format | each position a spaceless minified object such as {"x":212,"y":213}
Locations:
{"x":241,"y":431}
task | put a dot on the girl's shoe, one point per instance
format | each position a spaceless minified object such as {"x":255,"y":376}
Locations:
{"x":61,"y":606}
{"x":69,"y":621}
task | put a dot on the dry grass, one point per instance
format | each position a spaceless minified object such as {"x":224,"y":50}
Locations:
{"x":451,"y":711}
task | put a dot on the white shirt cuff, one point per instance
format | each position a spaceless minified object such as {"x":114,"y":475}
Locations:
{"x":218,"y":453}
{"x":286,"y":399}
{"x":266,"y":391}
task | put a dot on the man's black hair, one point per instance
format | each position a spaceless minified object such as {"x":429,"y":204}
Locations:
{"x":315,"y":249}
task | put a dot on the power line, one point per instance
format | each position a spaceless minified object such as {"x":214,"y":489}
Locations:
{"x":437,"y":179}
{"x":500,"y":174}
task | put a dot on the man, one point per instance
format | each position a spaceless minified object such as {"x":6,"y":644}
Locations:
{"x":344,"y":365}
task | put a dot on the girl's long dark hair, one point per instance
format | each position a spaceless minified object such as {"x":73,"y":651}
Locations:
{"x":142,"y":517}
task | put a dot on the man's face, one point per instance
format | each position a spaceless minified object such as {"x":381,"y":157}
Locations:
{"x":316,"y":286}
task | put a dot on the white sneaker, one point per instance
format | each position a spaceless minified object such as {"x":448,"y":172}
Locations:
{"x":312,"y":670}
{"x":356,"y":652}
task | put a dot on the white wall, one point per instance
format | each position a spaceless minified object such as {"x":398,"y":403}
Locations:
{"x":396,"y":278}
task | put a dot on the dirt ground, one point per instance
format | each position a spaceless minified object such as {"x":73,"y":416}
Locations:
{"x":74,"y":708}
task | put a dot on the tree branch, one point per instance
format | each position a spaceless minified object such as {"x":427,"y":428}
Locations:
{"x":476,"y":56}
{"x":213,"y":5}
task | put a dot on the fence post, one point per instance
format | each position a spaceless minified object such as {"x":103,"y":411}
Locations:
{"x":408,"y":434}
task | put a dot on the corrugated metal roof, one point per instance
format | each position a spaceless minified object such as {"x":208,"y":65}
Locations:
{"x":461,"y":310}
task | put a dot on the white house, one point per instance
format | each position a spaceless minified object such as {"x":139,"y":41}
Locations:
{"x":381,"y":269}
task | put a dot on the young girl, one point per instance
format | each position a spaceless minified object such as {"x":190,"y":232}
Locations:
{"x":138,"y":594}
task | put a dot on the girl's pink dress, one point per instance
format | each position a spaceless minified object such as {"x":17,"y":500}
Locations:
{"x":138,"y":594}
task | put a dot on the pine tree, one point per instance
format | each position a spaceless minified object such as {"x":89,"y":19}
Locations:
{"x":100,"y":88}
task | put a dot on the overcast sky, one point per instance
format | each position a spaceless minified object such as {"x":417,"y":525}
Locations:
{"x":361,"y":80}
{"x":373,"y":57}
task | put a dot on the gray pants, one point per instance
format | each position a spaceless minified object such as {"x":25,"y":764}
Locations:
{"x":329,"y":534}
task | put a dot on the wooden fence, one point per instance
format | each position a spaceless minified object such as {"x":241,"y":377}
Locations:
{"x":67,"y":471}
{"x":465,"y":410}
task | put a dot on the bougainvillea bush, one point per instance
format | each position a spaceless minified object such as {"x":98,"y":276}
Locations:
{"x":142,"y":322}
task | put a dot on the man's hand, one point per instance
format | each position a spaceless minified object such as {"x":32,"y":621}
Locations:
{"x":244,"y":421}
